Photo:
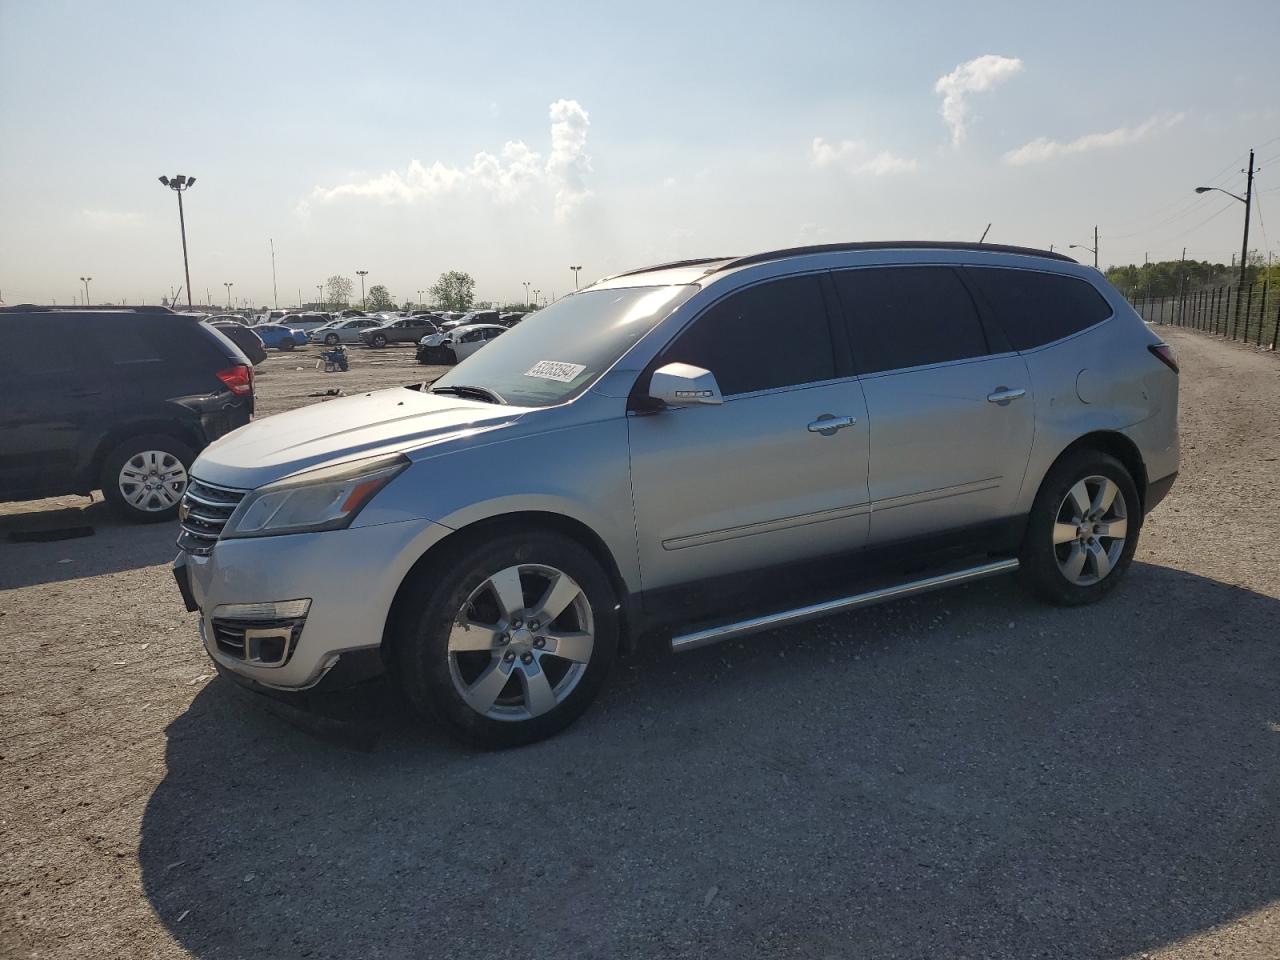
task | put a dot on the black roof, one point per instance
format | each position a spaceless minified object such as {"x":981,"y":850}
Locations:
{"x":42,"y":308}
{"x":716,"y":264}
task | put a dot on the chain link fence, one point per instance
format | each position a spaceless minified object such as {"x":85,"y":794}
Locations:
{"x":1250,"y":314}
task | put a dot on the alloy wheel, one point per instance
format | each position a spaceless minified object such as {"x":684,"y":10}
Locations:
{"x":521,"y":642}
{"x":1090,"y":529}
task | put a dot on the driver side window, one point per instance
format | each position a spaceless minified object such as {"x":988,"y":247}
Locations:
{"x":772,"y":335}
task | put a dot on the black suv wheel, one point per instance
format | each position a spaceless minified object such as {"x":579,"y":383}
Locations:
{"x":145,"y":477}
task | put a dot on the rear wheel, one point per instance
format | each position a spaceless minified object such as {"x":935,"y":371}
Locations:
{"x":1083,"y":529}
{"x":145,"y":477}
{"x":379,"y":339}
{"x":508,"y":641}
{"x":331,"y":338}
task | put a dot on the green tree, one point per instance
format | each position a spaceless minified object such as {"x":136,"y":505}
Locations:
{"x":337,"y":291}
{"x":379,"y":298}
{"x":454,"y":290}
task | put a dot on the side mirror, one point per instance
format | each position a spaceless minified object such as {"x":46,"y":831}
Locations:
{"x":683,"y":385}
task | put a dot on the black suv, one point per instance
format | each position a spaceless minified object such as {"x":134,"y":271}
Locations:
{"x":115,"y":400}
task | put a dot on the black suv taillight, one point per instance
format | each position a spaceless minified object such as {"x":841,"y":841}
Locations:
{"x":1164,"y":353}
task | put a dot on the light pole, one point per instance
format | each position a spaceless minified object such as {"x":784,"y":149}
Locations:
{"x":179,"y":184}
{"x":275,"y":294}
{"x":362,"y":274}
{"x":575,"y":275}
{"x":536,"y":291}
{"x":1247,"y":200}
{"x":320,"y":301}
{"x":526,"y":292}
{"x":1085,"y":246}
{"x":228,"y":286}
{"x":85,"y":281}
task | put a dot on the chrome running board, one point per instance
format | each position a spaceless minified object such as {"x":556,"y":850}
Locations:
{"x":771,"y":621}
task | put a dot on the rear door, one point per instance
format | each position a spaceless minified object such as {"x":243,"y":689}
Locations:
{"x":54,"y":404}
{"x":754,"y":482}
{"x":951,"y":414}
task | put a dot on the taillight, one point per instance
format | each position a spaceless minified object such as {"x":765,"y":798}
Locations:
{"x":239,"y":379}
{"x":1164,"y":353}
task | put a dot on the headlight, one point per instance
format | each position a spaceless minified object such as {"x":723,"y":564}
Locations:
{"x":324,"y":499}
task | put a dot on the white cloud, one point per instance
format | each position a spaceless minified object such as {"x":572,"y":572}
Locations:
{"x":111,"y":219}
{"x":973,"y":76}
{"x":569,"y":164}
{"x":856,"y":157}
{"x":1042,"y":148}
{"x":511,"y":175}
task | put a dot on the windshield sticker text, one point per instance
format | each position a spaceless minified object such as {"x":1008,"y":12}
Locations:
{"x":555,"y":370}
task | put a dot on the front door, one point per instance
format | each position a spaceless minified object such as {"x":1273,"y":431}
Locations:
{"x":758,"y":480}
{"x":951,"y":412}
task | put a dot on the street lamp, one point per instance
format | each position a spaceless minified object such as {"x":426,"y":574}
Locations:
{"x":1247,"y":200}
{"x":526,"y":292}
{"x":320,"y":301}
{"x":1085,"y":246}
{"x":85,"y":281}
{"x":228,"y":286}
{"x":536,"y":291}
{"x":179,"y":184}
{"x":362,"y":274}
{"x":575,"y":275}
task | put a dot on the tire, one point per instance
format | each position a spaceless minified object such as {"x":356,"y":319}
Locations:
{"x":379,"y":340}
{"x":129,"y":468}
{"x":287,"y":343}
{"x":450,"y":356}
{"x":1064,"y":548}
{"x":442,"y":667}
{"x":331,"y":339}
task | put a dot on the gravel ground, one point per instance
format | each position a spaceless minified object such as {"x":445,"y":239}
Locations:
{"x":967,"y":774}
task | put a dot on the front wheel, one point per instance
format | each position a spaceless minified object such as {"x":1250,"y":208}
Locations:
{"x":379,"y":340}
{"x":1083,"y":529}
{"x":508,"y":641}
{"x":331,"y":339}
{"x":145,"y":477}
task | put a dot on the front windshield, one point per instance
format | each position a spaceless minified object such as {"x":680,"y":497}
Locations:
{"x":559,"y":351}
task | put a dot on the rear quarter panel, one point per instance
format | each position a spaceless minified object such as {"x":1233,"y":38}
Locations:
{"x":1100,"y":379}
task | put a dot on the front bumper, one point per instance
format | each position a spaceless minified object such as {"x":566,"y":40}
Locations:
{"x":351,"y":577}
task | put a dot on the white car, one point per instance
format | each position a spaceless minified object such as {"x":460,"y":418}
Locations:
{"x":454,"y":346}
{"x":342,"y":331}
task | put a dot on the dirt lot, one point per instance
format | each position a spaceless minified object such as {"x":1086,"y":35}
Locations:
{"x":965,"y":774}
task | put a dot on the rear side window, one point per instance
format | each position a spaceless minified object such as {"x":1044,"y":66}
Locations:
{"x":54,"y":342}
{"x":126,"y":340}
{"x":1038,"y":308}
{"x":771,"y":335}
{"x":902,"y":317}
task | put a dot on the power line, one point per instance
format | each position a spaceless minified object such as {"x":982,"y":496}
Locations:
{"x":1197,"y":226}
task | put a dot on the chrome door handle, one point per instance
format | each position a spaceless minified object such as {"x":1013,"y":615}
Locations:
{"x":827,"y":424}
{"x":1003,"y":395}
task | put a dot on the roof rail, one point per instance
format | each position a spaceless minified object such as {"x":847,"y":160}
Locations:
{"x":666,"y":266}
{"x":61,"y":308}
{"x":888,"y":245}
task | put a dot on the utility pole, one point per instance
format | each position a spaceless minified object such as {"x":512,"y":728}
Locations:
{"x":275,"y":294}
{"x":1244,"y":246}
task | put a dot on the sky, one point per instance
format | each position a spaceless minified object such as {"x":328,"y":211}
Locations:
{"x":512,"y":140}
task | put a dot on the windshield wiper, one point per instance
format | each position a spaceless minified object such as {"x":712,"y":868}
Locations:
{"x":484,"y":394}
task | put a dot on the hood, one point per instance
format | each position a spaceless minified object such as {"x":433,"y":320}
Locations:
{"x":351,"y":428}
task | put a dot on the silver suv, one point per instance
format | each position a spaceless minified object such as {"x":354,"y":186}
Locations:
{"x":693,"y":451}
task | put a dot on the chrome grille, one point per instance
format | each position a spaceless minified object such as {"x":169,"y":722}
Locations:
{"x":205,"y":510}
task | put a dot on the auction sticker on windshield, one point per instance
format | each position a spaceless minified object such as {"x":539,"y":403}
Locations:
{"x":555,"y":370}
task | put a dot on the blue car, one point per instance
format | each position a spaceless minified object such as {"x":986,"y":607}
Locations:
{"x":278,"y":336}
